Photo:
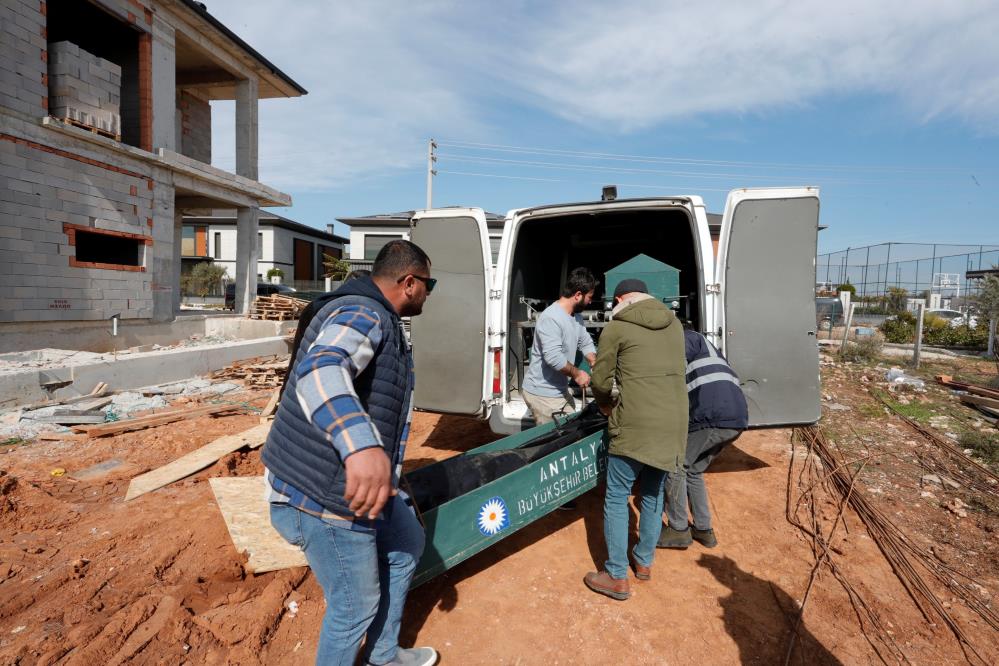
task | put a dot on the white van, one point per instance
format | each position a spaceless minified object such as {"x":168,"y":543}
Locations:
{"x":755,"y":301}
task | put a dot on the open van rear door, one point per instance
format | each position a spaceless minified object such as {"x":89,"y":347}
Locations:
{"x":766,"y":270}
{"x":450,"y":337}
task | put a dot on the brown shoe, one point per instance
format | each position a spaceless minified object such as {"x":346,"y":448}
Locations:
{"x":602,"y":583}
{"x":641,"y":572}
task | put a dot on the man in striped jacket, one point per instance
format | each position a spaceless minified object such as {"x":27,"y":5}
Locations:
{"x":718,"y":415}
{"x":333,"y":459}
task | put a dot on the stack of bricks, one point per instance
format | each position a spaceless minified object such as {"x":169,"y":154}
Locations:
{"x":84,"y":88}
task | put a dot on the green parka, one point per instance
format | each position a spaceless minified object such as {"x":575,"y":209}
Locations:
{"x":642,"y":349}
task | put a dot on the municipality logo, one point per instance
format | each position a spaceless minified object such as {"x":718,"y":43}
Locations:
{"x":493,"y":517}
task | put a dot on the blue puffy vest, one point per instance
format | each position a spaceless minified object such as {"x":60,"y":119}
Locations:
{"x":297,"y":452}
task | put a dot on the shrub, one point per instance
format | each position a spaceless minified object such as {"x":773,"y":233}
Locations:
{"x":985,"y":446}
{"x":335,"y":269}
{"x":899,"y":329}
{"x":275,"y":272}
{"x":864,"y":350}
{"x":846,"y":286}
{"x":203,"y":279}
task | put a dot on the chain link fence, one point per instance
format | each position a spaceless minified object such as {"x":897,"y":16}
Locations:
{"x":906,"y":270}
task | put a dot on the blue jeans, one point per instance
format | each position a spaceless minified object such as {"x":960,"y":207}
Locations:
{"x":687,"y":484}
{"x":621,"y":475}
{"x":365,"y":577}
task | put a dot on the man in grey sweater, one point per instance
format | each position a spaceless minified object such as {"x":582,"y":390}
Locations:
{"x":558,"y":335}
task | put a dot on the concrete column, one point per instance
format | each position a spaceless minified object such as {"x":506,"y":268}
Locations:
{"x":246,"y":128}
{"x":178,"y":229}
{"x":247,"y":226}
{"x":164,"y":87}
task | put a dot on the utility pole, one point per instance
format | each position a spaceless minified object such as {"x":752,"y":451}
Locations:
{"x":431,"y":171}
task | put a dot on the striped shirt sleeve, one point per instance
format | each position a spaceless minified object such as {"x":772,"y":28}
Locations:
{"x":325,"y":379}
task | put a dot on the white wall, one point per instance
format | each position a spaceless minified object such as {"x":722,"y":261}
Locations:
{"x":357,"y":237}
{"x":277,"y":250}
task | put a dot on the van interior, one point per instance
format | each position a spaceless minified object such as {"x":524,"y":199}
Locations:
{"x":548,"y":247}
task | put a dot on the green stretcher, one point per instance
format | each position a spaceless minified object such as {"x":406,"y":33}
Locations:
{"x":458,"y":527}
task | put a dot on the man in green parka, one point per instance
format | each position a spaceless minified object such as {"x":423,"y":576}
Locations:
{"x":642,"y":351}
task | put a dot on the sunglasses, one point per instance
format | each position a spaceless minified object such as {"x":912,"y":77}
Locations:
{"x":428,"y":281}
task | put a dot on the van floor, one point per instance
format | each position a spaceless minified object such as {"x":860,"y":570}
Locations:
{"x":86,"y":578}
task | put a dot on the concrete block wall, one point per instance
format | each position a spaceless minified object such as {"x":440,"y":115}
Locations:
{"x":23,"y":55}
{"x":195,"y":140}
{"x":44,"y":188}
{"x":84,"y":87}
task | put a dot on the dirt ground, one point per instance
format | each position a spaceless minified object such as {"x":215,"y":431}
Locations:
{"x":86,"y":578}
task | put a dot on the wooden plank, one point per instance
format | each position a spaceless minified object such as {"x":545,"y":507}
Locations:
{"x":73,"y":419}
{"x":983,"y":391}
{"x":196,"y":460}
{"x":244,"y":507}
{"x":271,"y":406}
{"x":991,"y":403}
{"x":151,"y":420}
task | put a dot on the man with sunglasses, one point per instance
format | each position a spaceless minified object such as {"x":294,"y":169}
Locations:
{"x":334,"y":456}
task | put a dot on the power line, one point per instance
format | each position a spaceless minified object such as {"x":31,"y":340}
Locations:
{"x":692,"y":161}
{"x":586,"y":167}
{"x":576,"y":182}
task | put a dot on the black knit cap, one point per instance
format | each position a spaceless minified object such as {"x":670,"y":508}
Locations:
{"x":628,"y":286}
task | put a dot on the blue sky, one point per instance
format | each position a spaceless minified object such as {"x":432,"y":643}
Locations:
{"x":892,"y":108}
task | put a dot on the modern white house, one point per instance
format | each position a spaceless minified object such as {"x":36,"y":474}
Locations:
{"x":295,"y":248}
{"x":368,"y":234}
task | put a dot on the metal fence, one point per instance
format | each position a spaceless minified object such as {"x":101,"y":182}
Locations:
{"x":917,"y":268}
{"x":320,"y":284}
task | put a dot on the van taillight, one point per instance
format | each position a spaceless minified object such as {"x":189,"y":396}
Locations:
{"x":496,"y":373}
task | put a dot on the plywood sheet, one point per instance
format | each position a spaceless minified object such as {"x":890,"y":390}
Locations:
{"x":243,"y":503}
{"x":196,"y":460}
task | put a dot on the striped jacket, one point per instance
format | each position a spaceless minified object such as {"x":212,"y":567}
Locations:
{"x":351,"y":390}
{"x":716,"y":400}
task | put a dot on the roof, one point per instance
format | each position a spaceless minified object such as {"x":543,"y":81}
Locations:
{"x":642,"y":263}
{"x":493,"y":220}
{"x":268,"y":219}
{"x":202,"y":11}
{"x":981,"y":273}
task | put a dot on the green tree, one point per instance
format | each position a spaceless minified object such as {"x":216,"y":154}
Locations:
{"x":846,"y":286}
{"x":895,"y":299}
{"x":335,"y":269}
{"x":203,"y":279}
{"x":988,"y":297}
{"x":275,"y":271}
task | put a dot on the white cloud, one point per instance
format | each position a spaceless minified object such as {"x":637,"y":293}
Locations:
{"x":383,"y":76}
{"x":647,"y":62}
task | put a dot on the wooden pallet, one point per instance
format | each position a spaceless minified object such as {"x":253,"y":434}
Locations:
{"x":91,"y":128}
{"x":277,"y":308}
{"x":257,"y":374}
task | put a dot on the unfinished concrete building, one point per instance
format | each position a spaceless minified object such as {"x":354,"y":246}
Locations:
{"x":105,"y":142}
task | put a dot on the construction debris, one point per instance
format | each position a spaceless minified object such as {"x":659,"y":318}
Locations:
{"x":73,"y":417}
{"x":256,"y":373}
{"x":907,"y":559}
{"x":277,"y":307}
{"x":152,"y":420}
{"x":196,"y":460}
